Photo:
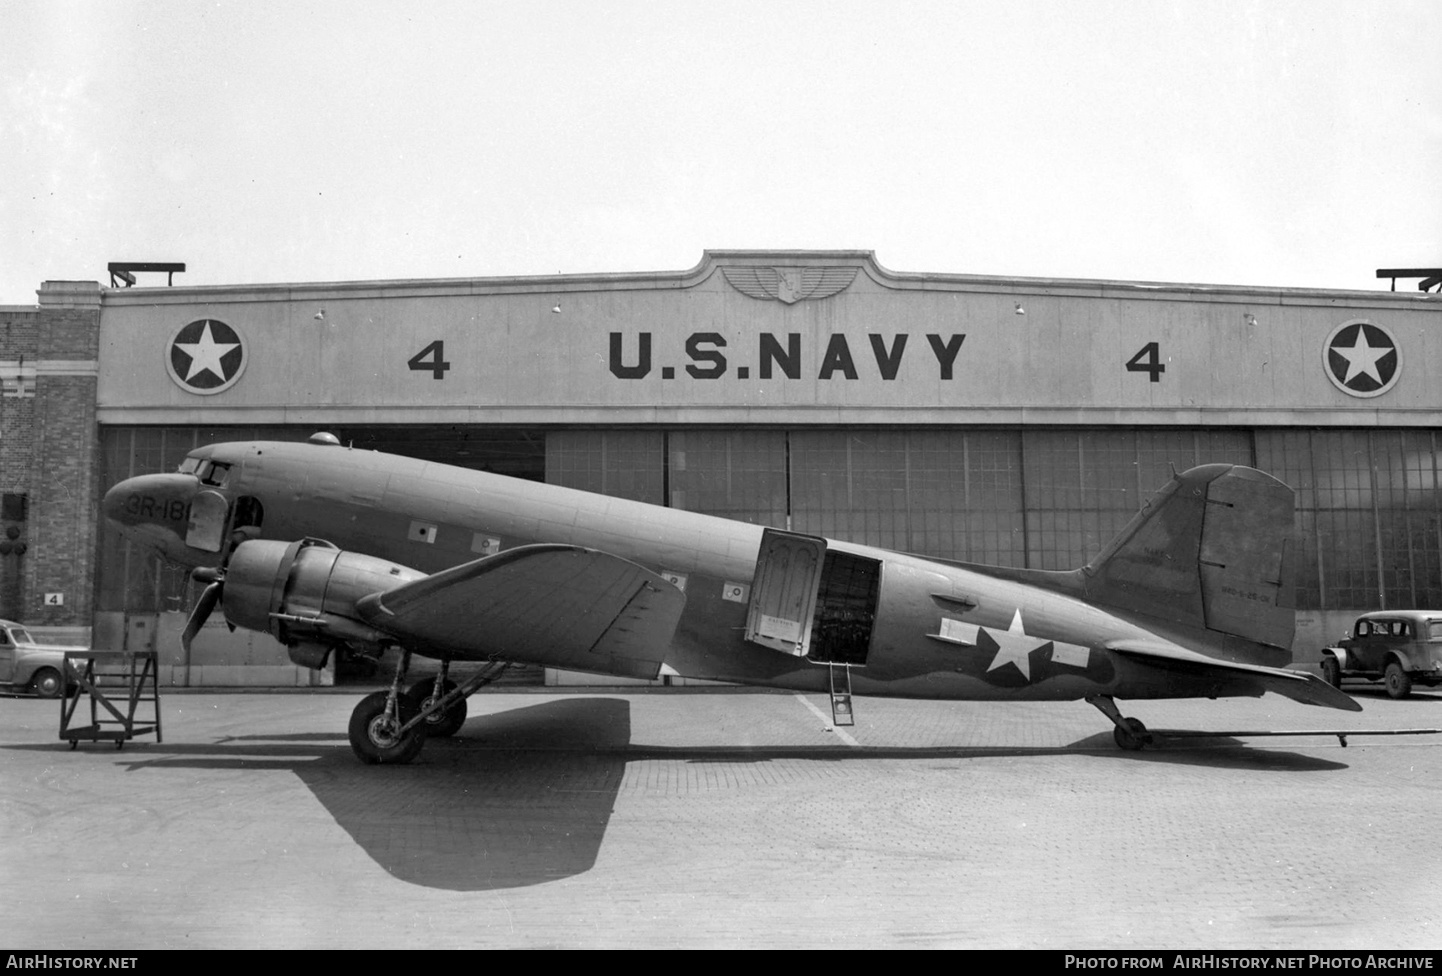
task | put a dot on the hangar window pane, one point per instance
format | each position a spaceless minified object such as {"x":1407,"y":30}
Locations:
{"x":1404,"y":468}
{"x":1287,"y":455}
{"x":1083,"y":486}
{"x":734,"y":474}
{"x":515,"y":452}
{"x":950,"y":493}
{"x":1332,"y":472}
{"x":619,"y":463}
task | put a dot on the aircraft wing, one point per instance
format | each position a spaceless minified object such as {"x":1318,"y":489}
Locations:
{"x":557,"y":605}
{"x":1296,"y":685}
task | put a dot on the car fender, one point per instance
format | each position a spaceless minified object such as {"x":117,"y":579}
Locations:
{"x":1339,"y":653}
{"x":1401,"y":658}
{"x":34,"y":660}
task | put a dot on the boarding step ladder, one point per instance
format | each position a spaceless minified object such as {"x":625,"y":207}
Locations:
{"x":124,"y":696}
{"x":841,"y":694}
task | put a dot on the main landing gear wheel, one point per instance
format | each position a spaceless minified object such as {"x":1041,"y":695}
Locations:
{"x":1332,"y":672}
{"x":437,"y":725}
{"x":375,"y":736}
{"x":1133,"y":736}
{"x":1397,"y":680}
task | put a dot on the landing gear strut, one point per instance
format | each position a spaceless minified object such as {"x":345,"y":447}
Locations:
{"x":392,"y":726}
{"x":438,"y":723}
{"x":1130,"y":734}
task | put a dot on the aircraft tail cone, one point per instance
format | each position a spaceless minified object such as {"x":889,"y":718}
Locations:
{"x":209,"y":597}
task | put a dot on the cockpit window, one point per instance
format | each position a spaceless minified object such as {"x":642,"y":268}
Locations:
{"x":213,"y":473}
{"x":189,"y":465}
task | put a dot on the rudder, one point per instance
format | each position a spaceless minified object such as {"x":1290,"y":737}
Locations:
{"x":1211,"y":549}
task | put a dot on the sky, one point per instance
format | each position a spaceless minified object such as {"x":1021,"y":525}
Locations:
{"x":1294,"y":144}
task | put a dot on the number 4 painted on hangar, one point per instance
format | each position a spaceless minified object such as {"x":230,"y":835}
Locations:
{"x":436,"y":363}
{"x":1148,"y":360}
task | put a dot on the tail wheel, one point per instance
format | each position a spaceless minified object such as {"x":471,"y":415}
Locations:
{"x":438,"y":725}
{"x":1131,"y":735}
{"x":1332,"y":672}
{"x":1397,"y":681}
{"x":47,"y":683}
{"x":375,"y":737}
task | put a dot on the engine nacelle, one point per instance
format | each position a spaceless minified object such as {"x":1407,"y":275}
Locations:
{"x":303,"y":594}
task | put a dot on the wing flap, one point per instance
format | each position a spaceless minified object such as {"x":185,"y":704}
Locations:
{"x":1296,"y":685}
{"x":554,"y":605}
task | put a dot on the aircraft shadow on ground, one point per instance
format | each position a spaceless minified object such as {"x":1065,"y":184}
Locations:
{"x":524,"y":796}
{"x":1420,"y":696}
{"x":1217,"y":752}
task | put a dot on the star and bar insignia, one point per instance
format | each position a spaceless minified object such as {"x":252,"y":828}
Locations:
{"x":1012,"y":657}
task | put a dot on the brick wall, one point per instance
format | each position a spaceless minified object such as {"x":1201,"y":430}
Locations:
{"x":49,"y":451}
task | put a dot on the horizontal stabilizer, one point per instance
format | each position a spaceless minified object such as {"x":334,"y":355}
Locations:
{"x":1296,"y":685}
{"x":555,"y":605}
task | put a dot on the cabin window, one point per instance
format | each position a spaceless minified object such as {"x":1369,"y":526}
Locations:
{"x":248,"y":512}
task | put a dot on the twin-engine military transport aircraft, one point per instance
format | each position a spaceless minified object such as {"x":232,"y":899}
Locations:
{"x":326,"y":548}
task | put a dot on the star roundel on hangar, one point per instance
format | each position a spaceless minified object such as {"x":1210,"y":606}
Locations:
{"x":205,"y":357}
{"x":1362,"y":358}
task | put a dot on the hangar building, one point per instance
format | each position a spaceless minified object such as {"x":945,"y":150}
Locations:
{"x":1017,"y":421}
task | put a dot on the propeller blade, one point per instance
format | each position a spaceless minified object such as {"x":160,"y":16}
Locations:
{"x":209,"y":597}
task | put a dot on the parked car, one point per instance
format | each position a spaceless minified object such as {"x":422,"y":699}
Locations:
{"x":1400,"y":648}
{"x":28,"y":666}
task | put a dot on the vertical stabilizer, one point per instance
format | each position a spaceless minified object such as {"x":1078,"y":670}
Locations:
{"x":1212,"y":549}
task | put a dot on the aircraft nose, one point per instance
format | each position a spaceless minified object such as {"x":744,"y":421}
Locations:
{"x":161,"y":500}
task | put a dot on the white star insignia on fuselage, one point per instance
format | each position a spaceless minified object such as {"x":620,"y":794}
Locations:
{"x":206,"y":354}
{"x":1013,"y":646}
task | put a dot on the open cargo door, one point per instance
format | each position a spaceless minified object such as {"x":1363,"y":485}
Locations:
{"x":783,"y":592}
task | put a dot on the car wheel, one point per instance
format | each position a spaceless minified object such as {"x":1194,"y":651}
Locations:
{"x":1398,"y":681}
{"x":47,"y":683}
{"x":1332,"y":672}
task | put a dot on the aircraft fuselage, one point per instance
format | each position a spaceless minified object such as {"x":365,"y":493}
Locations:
{"x":908,"y":626}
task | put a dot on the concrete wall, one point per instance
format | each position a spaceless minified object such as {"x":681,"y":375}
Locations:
{"x":218,"y":658}
{"x":758,"y":338}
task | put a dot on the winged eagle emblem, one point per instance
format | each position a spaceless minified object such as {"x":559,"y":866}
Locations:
{"x":789,"y":285}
